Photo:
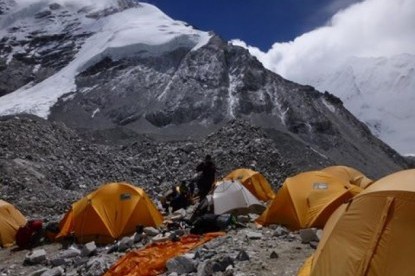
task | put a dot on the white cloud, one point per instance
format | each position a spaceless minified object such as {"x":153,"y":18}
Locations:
{"x":253,"y":50}
{"x":366,"y":29}
{"x":341,"y":57}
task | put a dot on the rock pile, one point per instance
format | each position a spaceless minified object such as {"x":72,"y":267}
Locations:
{"x":45,"y":166}
{"x":242,"y":251}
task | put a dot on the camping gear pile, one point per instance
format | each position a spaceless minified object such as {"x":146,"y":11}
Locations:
{"x":373,"y":218}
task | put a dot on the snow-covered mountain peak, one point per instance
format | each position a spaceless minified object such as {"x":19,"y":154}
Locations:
{"x":80,"y":5}
{"x":380,"y":92}
{"x":138,"y":30}
{"x":6,"y":6}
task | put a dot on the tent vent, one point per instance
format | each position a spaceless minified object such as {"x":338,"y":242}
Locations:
{"x":125,"y":196}
{"x":320,"y":186}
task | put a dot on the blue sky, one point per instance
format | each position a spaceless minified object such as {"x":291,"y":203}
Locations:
{"x":259,"y":23}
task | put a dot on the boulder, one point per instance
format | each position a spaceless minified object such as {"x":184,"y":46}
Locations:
{"x":308,"y":235}
{"x":57,"y":271}
{"x":35,"y":257}
{"x":89,"y":249}
{"x":125,"y":243}
{"x":181,"y":265}
{"x":242,"y":256}
{"x":151,"y":231}
{"x":220,"y":264}
{"x":253,"y":235}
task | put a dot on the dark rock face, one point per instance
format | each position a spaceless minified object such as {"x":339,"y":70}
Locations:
{"x":186,"y":93}
{"x":40,"y":52}
{"x":6,"y":5}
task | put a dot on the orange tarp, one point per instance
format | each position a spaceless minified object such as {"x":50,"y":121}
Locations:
{"x":152,"y":259}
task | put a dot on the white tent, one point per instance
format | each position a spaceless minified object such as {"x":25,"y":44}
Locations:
{"x":230,"y":196}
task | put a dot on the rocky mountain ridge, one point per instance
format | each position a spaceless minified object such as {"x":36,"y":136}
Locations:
{"x":190,"y":93}
{"x":39,"y":39}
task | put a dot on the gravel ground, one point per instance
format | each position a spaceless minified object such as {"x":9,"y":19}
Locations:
{"x":45,"y":166}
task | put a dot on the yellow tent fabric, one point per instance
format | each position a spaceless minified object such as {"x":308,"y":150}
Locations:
{"x":307,"y":200}
{"x":255,"y":182}
{"x":305,"y":269}
{"x":352,"y":175}
{"x":374,"y":233}
{"x":152,"y":259}
{"x":10,"y":221}
{"x":112,"y":211}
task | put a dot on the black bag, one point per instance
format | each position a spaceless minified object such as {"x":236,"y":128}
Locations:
{"x":211,"y":223}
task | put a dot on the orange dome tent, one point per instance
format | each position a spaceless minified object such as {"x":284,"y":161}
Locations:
{"x":255,"y":182}
{"x":10,"y":221}
{"x":373,"y":234}
{"x":307,"y":200}
{"x":349,"y":174}
{"x":112,"y":211}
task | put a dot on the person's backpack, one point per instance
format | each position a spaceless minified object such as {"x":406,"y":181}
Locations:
{"x":204,"y":207}
{"x":211,"y":223}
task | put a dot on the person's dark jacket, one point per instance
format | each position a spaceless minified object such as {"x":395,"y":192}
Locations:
{"x":28,"y":235}
{"x":207,"y":177}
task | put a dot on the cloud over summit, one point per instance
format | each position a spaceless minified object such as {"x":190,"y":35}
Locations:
{"x":366,"y":29}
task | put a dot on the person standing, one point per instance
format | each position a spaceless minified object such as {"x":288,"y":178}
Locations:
{"x":205,"y":182}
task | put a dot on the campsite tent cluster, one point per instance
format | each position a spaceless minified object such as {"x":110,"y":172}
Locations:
{"x":371,"y":234}
{"x":115,"y":210}
{"x":374,"y":218}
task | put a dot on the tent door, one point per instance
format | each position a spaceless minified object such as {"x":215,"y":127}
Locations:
{"x":364,"y":265}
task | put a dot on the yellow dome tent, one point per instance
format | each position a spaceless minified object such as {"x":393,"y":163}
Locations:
{"x":112,"y":211}
{"x":10,"y":221}
{"x":352,"y":175}
{"x":374,"y":233}
{"x":255,"y":182}
{"x":307,"y":200}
